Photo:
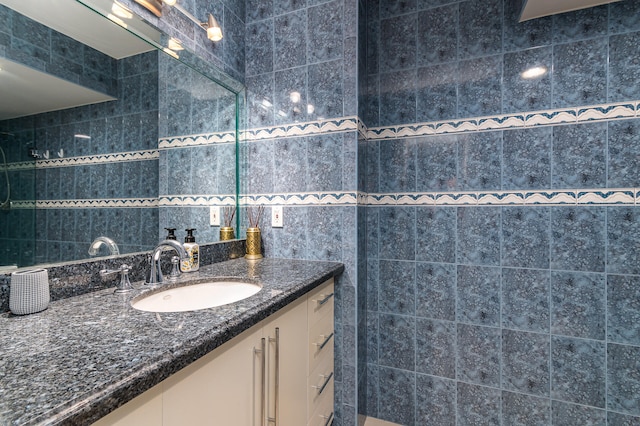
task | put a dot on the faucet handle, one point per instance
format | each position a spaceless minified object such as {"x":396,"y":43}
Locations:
{"x":124,"y":286}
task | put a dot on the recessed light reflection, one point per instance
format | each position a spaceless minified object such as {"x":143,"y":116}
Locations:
{"x":295,"y":97}
{"x":534,"y":72}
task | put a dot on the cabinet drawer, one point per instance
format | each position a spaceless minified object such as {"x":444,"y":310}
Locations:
{"x":321,"y":341}
{"x":323,"y":413}
{"x":320,"y":302}
{"x":318,"y":383}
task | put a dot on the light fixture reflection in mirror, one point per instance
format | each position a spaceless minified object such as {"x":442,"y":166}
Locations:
{"x":211,"y":26}
{"x":534,"y":72}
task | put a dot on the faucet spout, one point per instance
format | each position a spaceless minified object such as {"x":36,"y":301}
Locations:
{"x":155,"y":275}
{"x":107,"y":242}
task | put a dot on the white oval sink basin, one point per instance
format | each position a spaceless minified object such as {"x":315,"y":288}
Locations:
{"x":196,"y":296}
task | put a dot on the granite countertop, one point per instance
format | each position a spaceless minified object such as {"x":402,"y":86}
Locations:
{"x":86,"y":355}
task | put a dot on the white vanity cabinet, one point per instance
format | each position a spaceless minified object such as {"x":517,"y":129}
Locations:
{"x":277,"y":373}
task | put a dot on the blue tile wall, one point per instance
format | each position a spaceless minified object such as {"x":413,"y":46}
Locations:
{"x":523,"y":315}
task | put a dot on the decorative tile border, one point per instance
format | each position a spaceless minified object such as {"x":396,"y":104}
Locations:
{"x":302,"y":199}
{"x":344,"y":124}
{"x":196,"y":140}
{"x":624,"y":196}
{"x":95,"y":203}
{"x":611,"y":111}
{"x":118,"y":157}
{"x":196,"y":200}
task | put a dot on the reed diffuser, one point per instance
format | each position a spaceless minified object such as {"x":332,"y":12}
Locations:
{"x":254,"y":246}
{"x":226,"y":231}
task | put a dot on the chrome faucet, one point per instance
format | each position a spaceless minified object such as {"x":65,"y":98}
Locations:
{"x":108,"y":242}
{"x":155,"y":275}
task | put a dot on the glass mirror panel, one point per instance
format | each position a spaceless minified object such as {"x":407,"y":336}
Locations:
{"x":106,"y":132}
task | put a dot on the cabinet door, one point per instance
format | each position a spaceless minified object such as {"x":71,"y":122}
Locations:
{"x":287,"y":375}
{"x":221,"y":388}
{"x":144,"y":410}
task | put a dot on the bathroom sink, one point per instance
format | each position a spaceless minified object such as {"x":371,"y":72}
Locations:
{"x":196,"y":296}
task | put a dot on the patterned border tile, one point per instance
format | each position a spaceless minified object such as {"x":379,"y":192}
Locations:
{"x":196,"y":140}
{"x":302,"y":129}
{"x":118,"y":157}
{"x":611,"y":111}
{"x":96,"y":203}
{"x":303,"y":199}
{"x":196,"y":200}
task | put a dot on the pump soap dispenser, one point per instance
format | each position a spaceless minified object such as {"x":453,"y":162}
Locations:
{"x":192,"y":262}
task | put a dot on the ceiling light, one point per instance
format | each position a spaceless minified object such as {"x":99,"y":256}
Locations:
{"x":534,"y":72}
{"x":169,"y":2}
{"x":310,"y":109}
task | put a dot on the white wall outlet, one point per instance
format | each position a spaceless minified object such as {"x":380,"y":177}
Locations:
{"x":214,"y":216}
{"x":276,"y":216}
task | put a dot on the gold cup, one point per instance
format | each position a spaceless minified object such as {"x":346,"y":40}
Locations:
{"x":227,"y":233}
{"x":254,"y":246}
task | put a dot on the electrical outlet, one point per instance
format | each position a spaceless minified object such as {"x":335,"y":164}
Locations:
{"x":276,"y":216}
{"x":214,"y":216}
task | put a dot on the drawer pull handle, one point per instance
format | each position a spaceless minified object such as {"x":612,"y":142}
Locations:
{"x":325,"y":299}
{"x":329,"y":419}
{"x":321,"y":388}
{"x":262,"y":352}
{"x":324,"y":342}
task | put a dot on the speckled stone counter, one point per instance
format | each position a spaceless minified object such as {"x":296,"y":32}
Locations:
{"x":85,"y":356}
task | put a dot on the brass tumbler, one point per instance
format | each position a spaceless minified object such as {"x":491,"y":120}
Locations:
{"x":254,"y":245}
{"x":227,"y":233}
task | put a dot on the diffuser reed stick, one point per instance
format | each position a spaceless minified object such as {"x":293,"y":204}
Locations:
{"x":253,"y":215}
{"x":228,"y":214}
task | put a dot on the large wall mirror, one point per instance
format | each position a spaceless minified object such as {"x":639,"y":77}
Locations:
{"x":106,"y":134}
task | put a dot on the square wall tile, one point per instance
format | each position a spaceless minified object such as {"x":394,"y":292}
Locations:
{"x":578,"y":371}
{"x":435,"y":401}
{"x":478,"y":355}
{"x":578,"y":304}
{"x":525,"y":362}
{"x":526,"y":158}
{"x":397,"y":397}
{"x":436,"y":291}
{"x":478,"y":236}
{"x":623,"y":379}
{"x":435,"y":342}
{"x":525,"y":237}
{"x":478,"y":295}
{"x":397,"y":341}
{"x":623,"y":309}
{"x":578,"y":238}
{"x":396,"y":287}
{"x":525,"y":410}
{"x":525,"y":299}
{"x":579,"y":156}
{"x":435,"y":234}
{"x":477,"y":405}
{"x":563,"y":413}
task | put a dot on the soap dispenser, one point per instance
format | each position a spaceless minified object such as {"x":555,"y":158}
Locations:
{"x":192,"y":262}
{"x":170,"y":234}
